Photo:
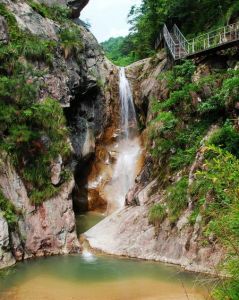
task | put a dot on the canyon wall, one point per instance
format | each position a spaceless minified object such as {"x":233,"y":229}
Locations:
{"x":82,"y":83}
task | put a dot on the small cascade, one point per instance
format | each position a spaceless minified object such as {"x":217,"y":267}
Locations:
{"x":88,"y":256}
{"x":128,"y":149}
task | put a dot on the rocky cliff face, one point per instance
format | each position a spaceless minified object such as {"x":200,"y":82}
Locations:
{"x":80,"y":83}
{"x":76,"y":6}
{"x":44,"y":230}
{"x":146,"y":228}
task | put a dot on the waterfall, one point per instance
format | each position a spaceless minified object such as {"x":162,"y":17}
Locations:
{"x":128,"y":148}
{"x":128,"y":115}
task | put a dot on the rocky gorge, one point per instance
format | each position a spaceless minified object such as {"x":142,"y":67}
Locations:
{"x":129,"y":232}
{"x":166,"y":213}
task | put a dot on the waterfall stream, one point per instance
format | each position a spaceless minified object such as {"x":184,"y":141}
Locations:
{"x":128,"y":114}
{"x":128,"y":148}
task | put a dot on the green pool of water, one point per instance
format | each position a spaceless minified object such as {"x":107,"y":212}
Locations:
{"x":87,"y":220}
{"x":88,"y":277}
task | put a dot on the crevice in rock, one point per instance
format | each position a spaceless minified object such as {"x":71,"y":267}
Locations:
{"x":83,"y":121}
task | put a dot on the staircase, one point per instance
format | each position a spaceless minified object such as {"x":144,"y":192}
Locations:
{"x":181,"y":48}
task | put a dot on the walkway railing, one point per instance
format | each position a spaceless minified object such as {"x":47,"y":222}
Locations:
{"x":181,"y":48}
{"x":180,"y":38}
{"x":169,"y":41}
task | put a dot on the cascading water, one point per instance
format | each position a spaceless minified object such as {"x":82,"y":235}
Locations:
{"x":127,"y":148}
{"x":128,"y":115}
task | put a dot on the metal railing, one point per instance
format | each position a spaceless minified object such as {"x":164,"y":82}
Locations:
{"x":169,"y":41}
{"x":180,"y":38}
{"x":180,"y":47}
{"x":215,"y":38}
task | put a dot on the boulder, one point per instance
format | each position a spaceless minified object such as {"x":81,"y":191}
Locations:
{"x":75,"y":5}
{"x":6,"y":257}
{"x":31,"y":21}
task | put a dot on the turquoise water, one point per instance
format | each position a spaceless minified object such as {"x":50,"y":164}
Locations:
{"x":80,"y":277}
{"x":76,"y":273}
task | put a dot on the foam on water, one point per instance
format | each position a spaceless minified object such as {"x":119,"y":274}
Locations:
{"x":88,"y":256}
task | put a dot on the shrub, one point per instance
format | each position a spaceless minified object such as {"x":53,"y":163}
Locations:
{"x":226,"y":138}
{"x":38,"y":49}
{"x":157,"y":213}
{"x":165,"y":121}
{"x":71,"y":41}
{"x":34,"y":134}
{"x":216,"y":187}
{"x":177,"y":198}
{"x":230,"y":90}
{"x":213,"y":105}
{"x":179,"y":76}
{"x":186,"y":144}
{"x":225,"y":94}
{"x":34,"y":137}
{"x":8,"y":210}
{"x":38,"y":196}
{"x":23,"y":43}
{"x":185,"y":70}
{"x":178,"y":97}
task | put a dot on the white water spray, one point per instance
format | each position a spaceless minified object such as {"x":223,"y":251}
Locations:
{"x":128,"y":149}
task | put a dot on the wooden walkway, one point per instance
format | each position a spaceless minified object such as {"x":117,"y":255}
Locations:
{"x":181,"y":48}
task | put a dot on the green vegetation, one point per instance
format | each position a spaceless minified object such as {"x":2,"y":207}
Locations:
{"x":147,"y":20}
{"x":8,"y":210}
{"x":176,"y":131}
{"x":216,"y":190}
{"x":116,"y":50}
{"x":23,"y":44}
{"x":227,"y":138}
{"x":223,"y":96}
{"x":33,"y":133}
{"x":55,"y":12}
{"x":176,"y":198}
{"x":157,"y":213}
{"x":71,"y":41}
